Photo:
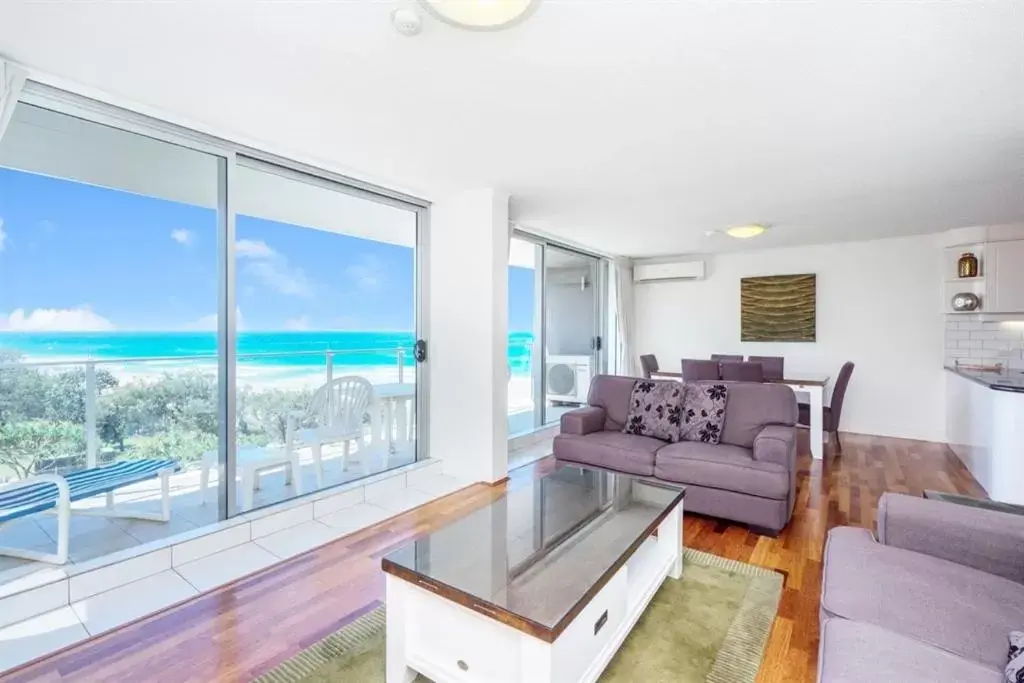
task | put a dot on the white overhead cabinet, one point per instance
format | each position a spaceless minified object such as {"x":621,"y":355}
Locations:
{"x":1005,"y":277}
{"x":1000,"y":281}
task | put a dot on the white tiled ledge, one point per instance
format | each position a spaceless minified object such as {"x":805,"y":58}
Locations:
{"x":97,"y":596}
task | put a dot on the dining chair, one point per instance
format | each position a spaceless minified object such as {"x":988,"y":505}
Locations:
{"x":773,"y":365}
{"x":742,"y":371}
{"x":649,"y":364}
{"x":725,"y":356}
{"x":832,"y":412}
{"x":696,"y":370}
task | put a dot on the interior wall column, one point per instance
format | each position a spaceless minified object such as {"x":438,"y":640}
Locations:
{"x":468,"y":399}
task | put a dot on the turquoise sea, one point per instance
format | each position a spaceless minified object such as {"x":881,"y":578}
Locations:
{"x":355,"y":349}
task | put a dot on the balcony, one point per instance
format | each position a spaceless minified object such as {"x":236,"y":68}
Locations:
{"x":62,"y":416}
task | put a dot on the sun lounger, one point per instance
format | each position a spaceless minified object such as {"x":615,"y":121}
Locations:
{"x":54,"y":492}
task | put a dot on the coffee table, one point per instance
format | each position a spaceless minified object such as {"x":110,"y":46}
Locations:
{"x":540,"y":586}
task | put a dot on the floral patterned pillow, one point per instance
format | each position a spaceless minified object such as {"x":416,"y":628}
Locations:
{"x":1014,"y":672}
{"x":704,"y":412}
{"x":655,"y":409}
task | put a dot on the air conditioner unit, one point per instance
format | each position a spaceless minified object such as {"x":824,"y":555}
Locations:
{"x":675,"y":270}
{"x":567,"y":378}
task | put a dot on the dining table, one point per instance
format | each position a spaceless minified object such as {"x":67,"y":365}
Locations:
{"x":810,"y":383}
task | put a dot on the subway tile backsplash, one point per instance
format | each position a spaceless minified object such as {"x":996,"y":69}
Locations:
{"x":985,"y":340}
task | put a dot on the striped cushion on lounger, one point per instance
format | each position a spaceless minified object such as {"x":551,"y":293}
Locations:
{"x":83,"y":484}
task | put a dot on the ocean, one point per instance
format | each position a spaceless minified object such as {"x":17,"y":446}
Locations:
{"x":299,"y":350}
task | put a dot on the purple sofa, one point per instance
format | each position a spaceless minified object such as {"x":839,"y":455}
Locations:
{"x":749,"y":477}
{"x":933,"y":599}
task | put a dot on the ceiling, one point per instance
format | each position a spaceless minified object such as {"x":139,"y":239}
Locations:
{"x":631,"y":127}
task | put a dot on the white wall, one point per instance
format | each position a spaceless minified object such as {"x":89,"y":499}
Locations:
{"x":878,"y":305}
{"x":468,"y":356}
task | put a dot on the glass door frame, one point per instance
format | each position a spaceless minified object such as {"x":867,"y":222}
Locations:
{"x":538,"y":356}
{"x":227,"y":153}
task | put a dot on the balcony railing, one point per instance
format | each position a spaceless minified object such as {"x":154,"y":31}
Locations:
{"x":44,"y":403}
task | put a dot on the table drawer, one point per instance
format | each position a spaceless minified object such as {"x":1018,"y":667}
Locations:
{"x":466,"y":646}
{"x":591,"y":631}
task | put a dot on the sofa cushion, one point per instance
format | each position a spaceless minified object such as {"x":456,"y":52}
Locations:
{"x":956,"y":608}
{"x":611,"y":450}
{"x":721,"y":467}
{"x":1014,"y":671}
{"x":654,"y":410}
{"x":853,"y":652}
{"x":752,"y":407}
{"x":704,"y":412}
{"x":612,"y":392}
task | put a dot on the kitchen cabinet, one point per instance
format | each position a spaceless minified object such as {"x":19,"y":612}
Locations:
{"x":1005,"y":277}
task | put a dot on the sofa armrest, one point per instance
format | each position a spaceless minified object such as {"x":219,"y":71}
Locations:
{"x":776,"y":444}
{"x":583,"y":420}
{"x":983,"y":539}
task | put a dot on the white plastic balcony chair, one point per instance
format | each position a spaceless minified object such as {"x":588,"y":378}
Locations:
{"x":338,"y":409}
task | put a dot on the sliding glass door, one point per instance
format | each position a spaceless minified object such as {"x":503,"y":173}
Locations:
{"x":556,"y":304}
{"x":221,"y":330}
{"x":326,"y":325}
{"x":108,"y":334}
{"x":572,"y":341}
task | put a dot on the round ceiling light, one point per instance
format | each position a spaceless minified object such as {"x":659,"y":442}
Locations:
{"x":481,"y":15}
{"x":745,"y":232}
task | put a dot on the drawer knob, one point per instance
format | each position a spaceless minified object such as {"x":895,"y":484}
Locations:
{"x":463,"y":665}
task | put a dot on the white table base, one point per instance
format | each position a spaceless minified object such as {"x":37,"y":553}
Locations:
{"x":816,"y":392}
{"x":448,"y":643}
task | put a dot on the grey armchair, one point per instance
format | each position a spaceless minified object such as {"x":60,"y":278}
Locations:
{"x":932,"y":599}
{"x":725,"y":356}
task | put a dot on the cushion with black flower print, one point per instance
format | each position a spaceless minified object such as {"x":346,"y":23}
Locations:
{"x":704,"y":412}
{"x":1014,"y":672}
{"x":655,"y":410}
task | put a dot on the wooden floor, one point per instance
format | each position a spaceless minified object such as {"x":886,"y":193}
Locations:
{"x":244,"y":629}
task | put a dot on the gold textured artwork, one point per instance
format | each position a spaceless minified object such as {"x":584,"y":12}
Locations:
{"x":778,"y":308}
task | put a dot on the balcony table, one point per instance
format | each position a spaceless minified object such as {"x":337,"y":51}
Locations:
{"x":249,"y":462}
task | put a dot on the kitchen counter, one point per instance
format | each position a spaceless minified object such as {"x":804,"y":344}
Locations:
{"x":984,"y":427}
{"x":999,"y":381}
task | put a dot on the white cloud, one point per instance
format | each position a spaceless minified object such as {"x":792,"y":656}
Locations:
{"x":80,"y":319}
{"x":272,"y":268}
{"x":208,"y":323}
{"x":182,"y":236}
{"x":257,"y":249}
{"x":367,"y":274}
{"x":3,"y":235}
{"x":298,"y":324}
{"x":281,"y":278}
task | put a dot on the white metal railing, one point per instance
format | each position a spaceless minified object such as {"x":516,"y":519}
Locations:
{"x":92,"y":395}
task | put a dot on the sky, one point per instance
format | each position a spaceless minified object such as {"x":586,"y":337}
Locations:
{"x":79,"y":257}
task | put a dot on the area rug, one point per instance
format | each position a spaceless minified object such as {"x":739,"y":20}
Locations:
{"x":711,"y":626}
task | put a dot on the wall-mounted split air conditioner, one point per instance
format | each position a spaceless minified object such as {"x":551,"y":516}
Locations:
{"x":674,"y":270}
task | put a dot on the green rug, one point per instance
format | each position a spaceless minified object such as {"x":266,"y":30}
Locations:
{"x":710,"y":626}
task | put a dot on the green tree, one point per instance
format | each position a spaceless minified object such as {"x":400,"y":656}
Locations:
{"x":24,"y":445}
{"x":65,"y":394}
{"x":22,"y":389}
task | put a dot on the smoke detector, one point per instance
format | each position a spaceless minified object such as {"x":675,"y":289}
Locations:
{"x":406,"y":21}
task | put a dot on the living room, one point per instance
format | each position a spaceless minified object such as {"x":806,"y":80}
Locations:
{"x":326,"y":330}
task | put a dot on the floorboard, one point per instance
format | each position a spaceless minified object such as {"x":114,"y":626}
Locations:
{"x":246,"y":628}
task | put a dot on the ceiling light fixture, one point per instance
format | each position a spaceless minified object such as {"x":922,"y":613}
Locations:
{"x":481,"y":15}
{"x":745,"y":232}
